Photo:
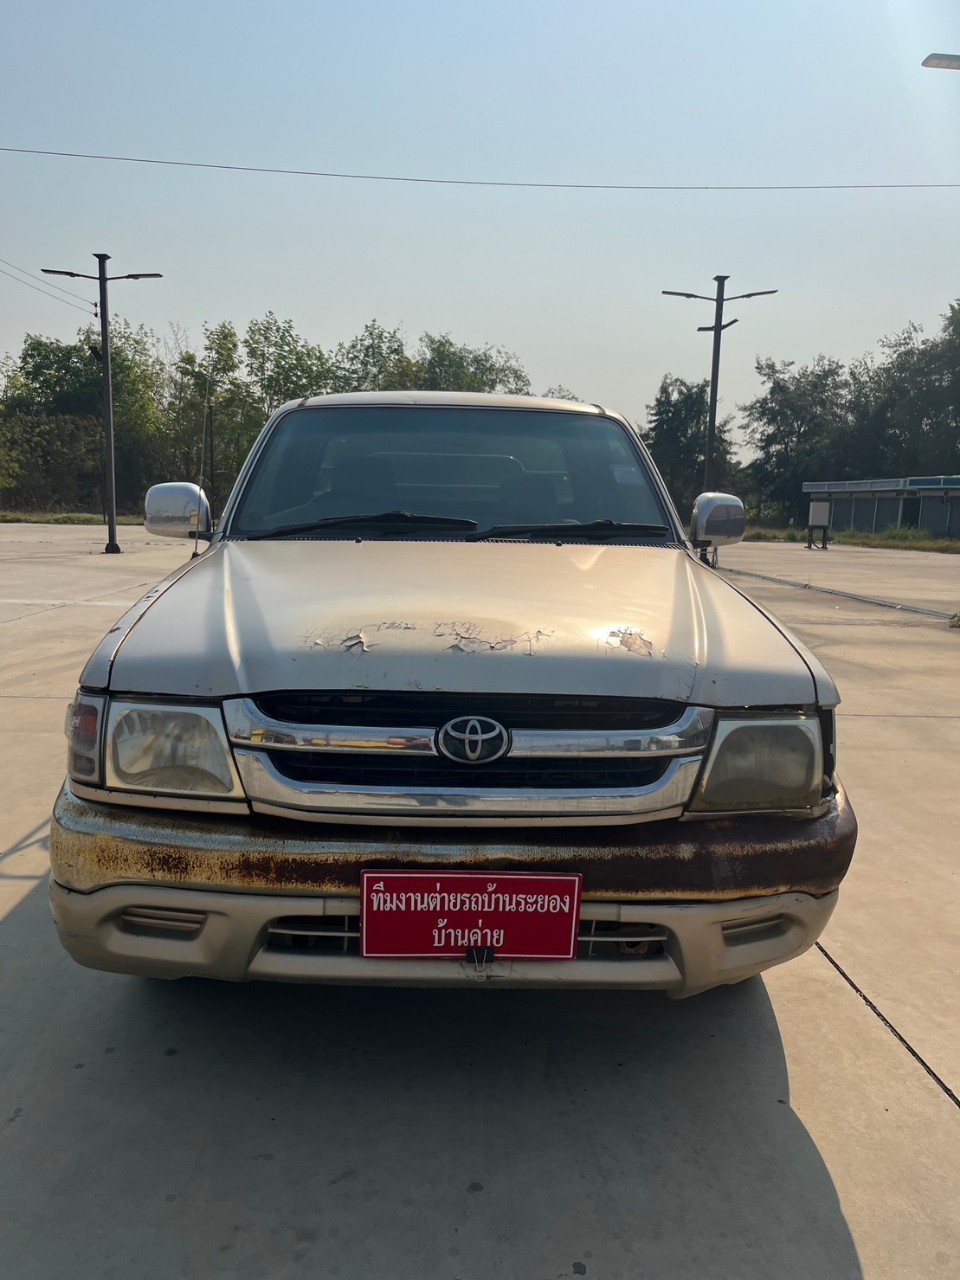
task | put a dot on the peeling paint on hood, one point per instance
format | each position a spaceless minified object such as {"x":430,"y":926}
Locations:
{"x":462,"y":617}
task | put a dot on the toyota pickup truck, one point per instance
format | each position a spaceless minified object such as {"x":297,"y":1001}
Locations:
{"x":448,"y":696}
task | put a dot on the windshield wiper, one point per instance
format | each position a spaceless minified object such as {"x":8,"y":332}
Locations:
{"x":592,"y":529}
{"x":383,"y":519}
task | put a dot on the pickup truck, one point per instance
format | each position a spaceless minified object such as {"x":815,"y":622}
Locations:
{"x":448,"y":696}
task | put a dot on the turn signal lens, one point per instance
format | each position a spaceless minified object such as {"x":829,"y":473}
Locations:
{"x":83,"y":726}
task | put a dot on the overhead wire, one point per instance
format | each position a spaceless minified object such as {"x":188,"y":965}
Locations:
{"x":49,"y":283}
{"x":491,"y":182}
{"x":46,"y":293}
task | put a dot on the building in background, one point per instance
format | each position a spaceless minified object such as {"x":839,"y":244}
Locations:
{"x":930,"y":503}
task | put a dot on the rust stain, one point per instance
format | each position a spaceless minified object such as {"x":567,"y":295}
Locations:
{"x":93,"y":846}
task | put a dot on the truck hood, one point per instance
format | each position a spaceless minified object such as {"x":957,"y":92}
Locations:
{"x":462,"y":617}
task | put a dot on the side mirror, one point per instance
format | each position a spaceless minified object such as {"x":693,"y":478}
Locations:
{"x":718,"y":520}
{"x":178,"y":510}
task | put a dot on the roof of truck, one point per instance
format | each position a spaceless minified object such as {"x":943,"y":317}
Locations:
{"x":471,"y":399}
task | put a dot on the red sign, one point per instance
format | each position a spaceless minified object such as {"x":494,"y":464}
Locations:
{"x":445,"y":914}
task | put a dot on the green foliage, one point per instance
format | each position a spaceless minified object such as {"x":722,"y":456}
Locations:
{"x":898,"y":539}
{"x":442,"y":365}
{"x":761,"y":533}
{"x":281,"y":365}
{"x":168,"y":403}
{"x":792,"y":422}
{"x":676,"y":435}
{"x":375,"y":360}
{"x":892,"y":539}
{"x":880,"y":417}
{"x":57,"y":460}
{"x":893,"y":414}
{"x":62,"y":517}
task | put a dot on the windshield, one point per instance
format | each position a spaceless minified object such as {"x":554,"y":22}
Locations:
{"x":491,"y":466}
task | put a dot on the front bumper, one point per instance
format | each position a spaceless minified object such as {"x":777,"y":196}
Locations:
{"x":179,"y":933}
{"x":149,"y":892}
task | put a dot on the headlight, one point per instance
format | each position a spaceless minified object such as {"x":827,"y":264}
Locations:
{"x":171,"y":750}
{"x":762,"y":764}
{"x":84,"y":729}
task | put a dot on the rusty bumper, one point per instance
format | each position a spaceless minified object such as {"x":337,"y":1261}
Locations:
{"x":94,"y":846}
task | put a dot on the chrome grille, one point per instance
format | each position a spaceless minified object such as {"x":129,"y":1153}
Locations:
{"x":315,"y":933}
{"x":597,"y":939}
{"x":375,"y":757}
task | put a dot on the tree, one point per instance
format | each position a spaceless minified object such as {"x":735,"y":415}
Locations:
{"x":918,"y":386}
{"x":53,"y":463}
{"x":374,"y":360}
{"x":280,"y":365}
{"x":52,"y":411}
{"x":676,"y":435}
{"x":377,"y":360}
{"x":560,"y":392}
{"x":797,"y":427}
{"x":882,"y":417}
{"x":443,"y":365}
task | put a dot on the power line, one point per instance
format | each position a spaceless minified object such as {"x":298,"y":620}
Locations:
{"x":490,"y":182}
{"x":58,"y":287}
{"x":44,"y":291}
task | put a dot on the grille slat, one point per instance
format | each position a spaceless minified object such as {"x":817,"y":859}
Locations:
{"x":554,"y":773}
{"x":514,"y":711}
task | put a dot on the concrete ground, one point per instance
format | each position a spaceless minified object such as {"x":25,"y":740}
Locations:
{"x":918,"y":579}
{"x":777,"y":1129}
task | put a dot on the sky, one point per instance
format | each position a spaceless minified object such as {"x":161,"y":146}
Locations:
{"x":627,"y":92}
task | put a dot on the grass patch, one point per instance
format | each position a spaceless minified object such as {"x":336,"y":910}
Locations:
{"x":899,"y":540}
{"x":61,"y":517}
{"x":757,"y":533}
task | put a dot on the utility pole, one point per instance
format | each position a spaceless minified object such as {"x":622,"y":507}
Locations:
{"x":213,"y":462}
{"x":716,"y":329}
{"x":112,"y":547}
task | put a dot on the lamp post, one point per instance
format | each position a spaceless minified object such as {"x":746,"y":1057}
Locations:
{"x":112,"y":547}
{"x":716,"y":329}
{"x":946,"y":61}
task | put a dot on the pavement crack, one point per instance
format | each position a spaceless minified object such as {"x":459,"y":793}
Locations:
{"x":940,"y":1083}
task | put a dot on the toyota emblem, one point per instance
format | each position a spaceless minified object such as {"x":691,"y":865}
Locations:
{"x":473,"y":740}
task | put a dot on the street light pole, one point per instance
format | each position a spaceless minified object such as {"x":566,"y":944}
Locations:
{"x":110,"y":479}
{"x":112,"y":547}
{"x":716,"y":329}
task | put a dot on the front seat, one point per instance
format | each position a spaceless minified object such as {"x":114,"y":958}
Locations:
{"x":527,"y":500}
{"x":361,"y":486}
